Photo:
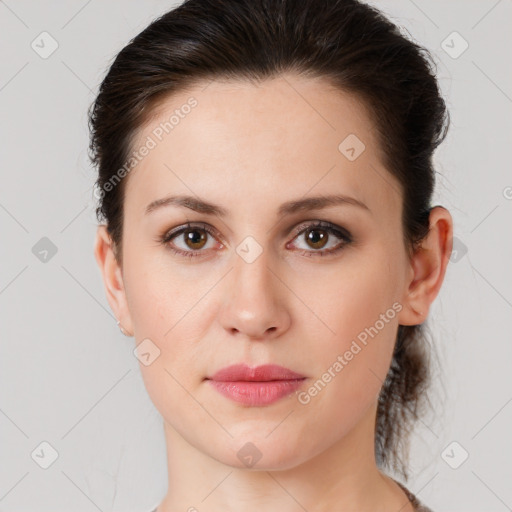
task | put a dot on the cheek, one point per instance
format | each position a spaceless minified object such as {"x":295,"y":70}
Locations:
{"x":162,"y":310}
{"x":174,"y":310}
{"x":350,"y":296}
{"x":158,"y":295}
{"x":351,"y":366}
{"x":358,"y":308}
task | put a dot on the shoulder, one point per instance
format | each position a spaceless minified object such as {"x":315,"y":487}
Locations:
{"x":416,"y":503}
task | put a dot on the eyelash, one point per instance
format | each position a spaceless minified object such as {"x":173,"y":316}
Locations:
{"x":299,"y":230}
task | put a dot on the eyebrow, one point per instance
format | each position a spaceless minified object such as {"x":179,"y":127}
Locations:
{"x":288,"y":208}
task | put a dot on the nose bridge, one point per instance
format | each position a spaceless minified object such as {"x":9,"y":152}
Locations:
{"x":252,"y":305}
{"x":251,"y":275}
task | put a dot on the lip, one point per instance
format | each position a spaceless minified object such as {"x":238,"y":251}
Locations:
{"x":263,"y":373}
{"x":257,"y":386}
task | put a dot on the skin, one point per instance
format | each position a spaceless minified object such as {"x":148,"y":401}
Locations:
{"x":249,"y":149}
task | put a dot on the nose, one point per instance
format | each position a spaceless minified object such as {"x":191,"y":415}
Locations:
{"x":256,"y":300}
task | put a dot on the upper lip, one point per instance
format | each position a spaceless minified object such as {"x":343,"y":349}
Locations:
{"x":266,"y":372}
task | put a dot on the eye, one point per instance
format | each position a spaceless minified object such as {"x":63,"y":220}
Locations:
{"x":191,"y":240}
{"x":318,"y":235}
{"x":193,"y":237}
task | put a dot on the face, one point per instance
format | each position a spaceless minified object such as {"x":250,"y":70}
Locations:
{"x":316,"y":287}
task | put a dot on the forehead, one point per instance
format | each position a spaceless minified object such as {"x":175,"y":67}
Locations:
{"x":267,"y":142}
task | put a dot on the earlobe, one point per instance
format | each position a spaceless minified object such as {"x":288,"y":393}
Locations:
{"x":112,"y":277}
{"x":428,"y":268}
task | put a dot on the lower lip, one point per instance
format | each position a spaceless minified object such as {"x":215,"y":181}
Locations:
{"x":256,"y":393}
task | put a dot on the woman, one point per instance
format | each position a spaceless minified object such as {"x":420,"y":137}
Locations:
{"x":265,"y":182}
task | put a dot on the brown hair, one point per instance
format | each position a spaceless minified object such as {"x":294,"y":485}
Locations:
{"x":346,"y":42}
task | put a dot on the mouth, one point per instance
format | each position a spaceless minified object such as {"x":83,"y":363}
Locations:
{"x":264,"y":373}
{"x":257,"y":386}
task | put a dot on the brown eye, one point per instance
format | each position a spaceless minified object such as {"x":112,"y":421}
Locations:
{"x":195,"y":238}
{"x":317,"y":238}
{"x":190,"y":240}
{"x":321,"y":238}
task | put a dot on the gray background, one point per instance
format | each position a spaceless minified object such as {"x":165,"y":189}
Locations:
{"x":69,"y":377}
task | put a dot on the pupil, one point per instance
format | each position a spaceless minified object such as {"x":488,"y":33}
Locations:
{"x":314,"y":238}
{"x":191,"y":236}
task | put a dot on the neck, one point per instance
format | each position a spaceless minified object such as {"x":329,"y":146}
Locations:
{"x":343,"y":476}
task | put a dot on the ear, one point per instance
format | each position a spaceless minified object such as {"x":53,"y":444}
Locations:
{"x":428,"y":268}
{"x":112,"y":278}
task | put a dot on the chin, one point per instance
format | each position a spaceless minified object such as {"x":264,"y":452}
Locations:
{"x":260,"y":453}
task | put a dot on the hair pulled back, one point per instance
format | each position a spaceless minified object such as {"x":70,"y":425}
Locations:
{"x":348,"y":43}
